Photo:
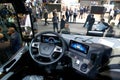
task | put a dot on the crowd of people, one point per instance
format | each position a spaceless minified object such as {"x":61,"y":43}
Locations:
{"x":69,"y":15}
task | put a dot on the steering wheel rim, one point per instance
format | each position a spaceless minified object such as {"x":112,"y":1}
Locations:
{"x":39,"y":44}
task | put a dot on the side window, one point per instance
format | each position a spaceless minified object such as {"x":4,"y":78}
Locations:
{"x":10,"y":39}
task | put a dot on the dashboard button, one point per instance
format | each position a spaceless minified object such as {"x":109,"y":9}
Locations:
{"x":84,"y":67}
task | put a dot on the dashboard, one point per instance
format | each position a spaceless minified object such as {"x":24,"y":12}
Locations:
{"x":87,"y":57}
{"x":84,"y":57}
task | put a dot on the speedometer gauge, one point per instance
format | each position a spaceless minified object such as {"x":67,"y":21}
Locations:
{"x":51,"y":40}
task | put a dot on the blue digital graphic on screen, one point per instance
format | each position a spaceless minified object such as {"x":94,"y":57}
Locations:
{"x":50,"y":39}
{"x":79,"y":47}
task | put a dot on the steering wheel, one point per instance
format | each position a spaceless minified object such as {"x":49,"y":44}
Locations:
{"x":46,"y":53}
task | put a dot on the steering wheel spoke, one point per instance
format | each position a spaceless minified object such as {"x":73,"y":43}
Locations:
{"x":58,"y":49}
{"x":35,"y":44}
{"x":37,"y":55}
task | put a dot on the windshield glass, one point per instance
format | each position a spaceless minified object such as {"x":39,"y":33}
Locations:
{"x":10,"y":39}
{"x":82,"y":17}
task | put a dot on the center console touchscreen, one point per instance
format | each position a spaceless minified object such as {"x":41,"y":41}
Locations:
{"x":80,"y":47}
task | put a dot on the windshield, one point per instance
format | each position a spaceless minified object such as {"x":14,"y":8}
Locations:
{"x":91,"y":19}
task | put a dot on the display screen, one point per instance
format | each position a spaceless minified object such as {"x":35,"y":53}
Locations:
{"x":79,"y":46}
{"x":50,"y":39}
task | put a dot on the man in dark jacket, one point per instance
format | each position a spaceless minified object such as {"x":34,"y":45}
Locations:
{"x":62,"y":23}
{"x":46,"y":16}
{"x":15,"y":42}
{"x":88,"y":18}
{"x":55,"y":21}
{"x":90,"y":23}
{"x":67,"y":14}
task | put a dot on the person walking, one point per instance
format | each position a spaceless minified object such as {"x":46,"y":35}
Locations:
{"x":62,"y":23}
{"x":46,"y":16}
{"x":87,"y":19}
{"x":55,"y":21}
{"x":81,"y":12}
{"x":75,"y":15}
{"x":71,"y":14}
{"x":67,"y":13}
{"x":90,"y":23}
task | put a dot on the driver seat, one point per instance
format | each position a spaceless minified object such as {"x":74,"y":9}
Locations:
{"x":33,"y":77}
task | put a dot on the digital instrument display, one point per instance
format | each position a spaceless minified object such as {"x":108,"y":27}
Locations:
{"x":50,"y":39}
{"x":79,"y":47}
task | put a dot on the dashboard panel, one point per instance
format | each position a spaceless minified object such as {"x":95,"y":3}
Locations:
{"x":79,"y":53}
{"x":86,"y":57}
